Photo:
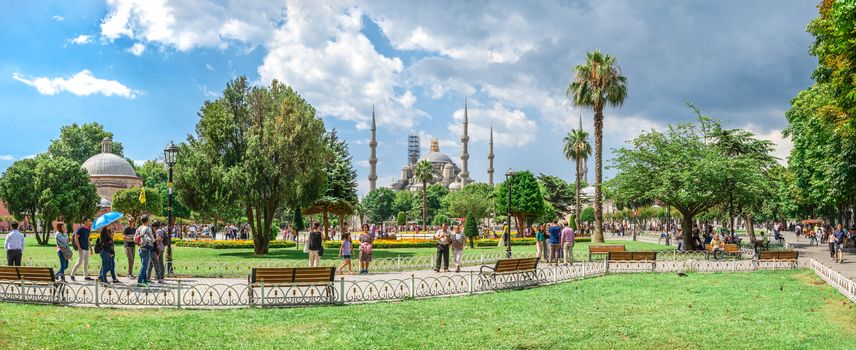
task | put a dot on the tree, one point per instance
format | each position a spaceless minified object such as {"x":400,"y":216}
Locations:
{"x":260,"y":146}
{"x":154,"y":175}
{"x":578,"y":148}
{"x":441,"y":219}
{"x":401,"y":218}
{"x":558,"y":194}
{"x":835,"y":50}
{"x":435,"y":198}
{"x":471,"y":229}
{"x":598,"y":83}
{"x":474,"y":200}
{"x":199,"y":184}
{"x":378,"y":204}
{"x":527,"y":202}
{"x":64,"y":192}
{"x":127,"y":201}
{"x":18,"y":190}
{"x":405,"y":202}
{"x":587,"y":215}
{"x":678,"y":168}
{"x":79,"y":142}
{"x":341,"y":187}
{"x":424,"y":172}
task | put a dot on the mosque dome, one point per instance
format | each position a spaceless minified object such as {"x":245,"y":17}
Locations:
{"x":108,"y":164}
{"x":435,"y":156}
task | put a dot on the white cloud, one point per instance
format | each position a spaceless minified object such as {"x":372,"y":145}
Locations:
{"x":136,"y":49}
{"x":511,"y":127}
{"x":81,"y":84}
{"x":58,"y":18}
{"x":783,"y":145}
{"x":81,"y":40}
{"x":363,"y":163}
{"x":208,"y":66}
{"x":7,"y":157}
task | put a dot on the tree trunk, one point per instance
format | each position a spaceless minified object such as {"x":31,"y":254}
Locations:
{"x":41,"y":238}
{"x":598,"y":174}
{"x":324,"y":217}
{"x":750,"y":229}
{"x":577,"y":211}
{"x":424,"y":204}
{"x":687,"y":227}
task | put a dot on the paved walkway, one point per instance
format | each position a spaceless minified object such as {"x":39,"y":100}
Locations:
{"x":821,"y":254}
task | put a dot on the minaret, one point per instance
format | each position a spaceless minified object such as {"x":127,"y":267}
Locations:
{"x":373,"y":156}
{"x":465,"y":174}
{"x":490,"y":158}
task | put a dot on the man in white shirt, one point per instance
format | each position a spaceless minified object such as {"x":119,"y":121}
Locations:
{"x":14,"y":246}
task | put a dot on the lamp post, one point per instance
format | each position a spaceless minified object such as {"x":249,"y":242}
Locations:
{"x":508,"y":175}
{"x":169,"y":154}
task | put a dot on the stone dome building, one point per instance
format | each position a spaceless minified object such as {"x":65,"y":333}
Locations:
{"x":110,"y":173}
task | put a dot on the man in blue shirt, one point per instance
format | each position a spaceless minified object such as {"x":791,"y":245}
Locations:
{"x":14,"y":246}
{"x":555,"y":241}
{"x":84,"y":250}
{"x":839,"y":237}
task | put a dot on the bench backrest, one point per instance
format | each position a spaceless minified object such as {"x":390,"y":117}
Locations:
{"x":513,"y":265}
{"x":778,"y":255}
{"x":605,"y":248}
{"x":282,"y":275}
{"x":726,"y":247}
{"x":27,"y":273}
{"x":632,"y":256}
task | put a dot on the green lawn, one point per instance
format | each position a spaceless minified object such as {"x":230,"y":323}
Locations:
{"x":759,"y":310}
{"x":197,"y":260}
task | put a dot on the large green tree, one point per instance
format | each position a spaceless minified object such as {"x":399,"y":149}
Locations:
{"x":424,"y":172}
{"x":260,"y":145}
{"x":154,"y":175}
{"x":678,"y":168}
{"x":405,"y":202}
{"x":378,"y":205}
{"x":558,"y":194}
{"x":527,"y":201}
{"x":18,"y":190}
{"x":597,"y":83}
{"x":340,"y":192}
{"x":64,"y":193}
{"x":578,"y":148}
{"x":79,"y":142}
{"x":435,"y":198}
{"x":835,"y":49}
{"x":475,"y":200}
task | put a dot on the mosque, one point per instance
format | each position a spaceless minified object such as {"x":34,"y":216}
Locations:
{"x":446,"y":172}
{"x":110,"y":173}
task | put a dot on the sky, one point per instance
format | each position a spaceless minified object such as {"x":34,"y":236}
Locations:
{"x":144,"y":68}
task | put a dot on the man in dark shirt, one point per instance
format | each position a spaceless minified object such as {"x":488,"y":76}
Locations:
{"x":555,"y":240}
{"x":839,"y":237}
{"x":128,"y":237}
{"x":84,"y":250}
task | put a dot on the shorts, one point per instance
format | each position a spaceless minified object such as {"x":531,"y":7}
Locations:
{"x":839,"y":247}
{"x":346,"y":257}
{"x":366,"y":257}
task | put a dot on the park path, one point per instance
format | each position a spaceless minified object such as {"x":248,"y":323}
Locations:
{"x":821,"y":254}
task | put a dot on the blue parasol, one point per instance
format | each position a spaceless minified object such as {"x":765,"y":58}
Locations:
{"x":106,"y":219}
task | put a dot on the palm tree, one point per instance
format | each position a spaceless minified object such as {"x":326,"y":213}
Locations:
{"x":424,"y":172}
{"x":597,"y":83}
{"x":577,"y":148}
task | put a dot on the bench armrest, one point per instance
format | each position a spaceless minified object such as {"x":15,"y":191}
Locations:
{"x":482,"y":271}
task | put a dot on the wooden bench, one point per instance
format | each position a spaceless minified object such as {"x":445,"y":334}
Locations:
{"x":727,"y":249}
{"x":32,"y":277}
{"x":778,"y":255}
{"x":633,"y":257}
{"x":301,"y":284}
{"x":604,"y":249}
{"x":517,"y":272}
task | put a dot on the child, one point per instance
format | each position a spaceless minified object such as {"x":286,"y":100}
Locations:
{"x":345,"y":252}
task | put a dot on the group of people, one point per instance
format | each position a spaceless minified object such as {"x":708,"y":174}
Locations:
{"x":555,"y":242}
{"x":315,"y":248}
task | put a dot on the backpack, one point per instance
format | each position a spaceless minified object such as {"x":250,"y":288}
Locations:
{"x":98,"y":246}
{"x":137,"y":239}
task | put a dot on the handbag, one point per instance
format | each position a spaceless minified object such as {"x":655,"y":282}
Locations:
{"x":66,"y":252}
{"x":306,"y":246}
{"x":321,"y":250}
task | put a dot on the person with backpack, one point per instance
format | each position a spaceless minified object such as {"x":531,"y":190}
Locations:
{"x":104,"y":248}
{"x":145,"y":239}
{"x":315,"y":245}
{"x":366,"y":241}
{"x":156,"y":259}
{"x":128,"y":239}
{"x":84,"y":250}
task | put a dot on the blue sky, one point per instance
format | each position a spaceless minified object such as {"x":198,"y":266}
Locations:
{"x":143,"y":69}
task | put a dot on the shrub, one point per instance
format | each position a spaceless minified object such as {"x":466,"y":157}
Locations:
{"x":231,"y":244}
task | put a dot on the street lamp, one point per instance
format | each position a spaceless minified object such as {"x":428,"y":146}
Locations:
{"x":508,"y":175}
{"x":169,"y":154}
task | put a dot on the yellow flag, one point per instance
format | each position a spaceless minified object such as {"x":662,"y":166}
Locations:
{"x":142,"y":195}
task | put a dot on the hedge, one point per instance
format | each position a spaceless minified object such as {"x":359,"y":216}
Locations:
{"x":232,"y":244}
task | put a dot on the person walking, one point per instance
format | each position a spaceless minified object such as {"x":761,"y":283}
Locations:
{"x":62,"y":250}
{"x":315,"y":245}
{"x":444,"y":240}
{"x":84,"y":249}
{"x":345,"y":252}
{"x":568,"y":237}
{"x":540,"y":242}
{"x":156,"y":259}
{"x":145,"y":239}
{"x":130,"y":246}
{"x":840,"y":237}
{"x":14,"y":246}
{"x":366,"y":241}
{"x":104,"y":246}
{"x":830,"y":239}
{"x":555,"y":240}
{"x":459,"y":241}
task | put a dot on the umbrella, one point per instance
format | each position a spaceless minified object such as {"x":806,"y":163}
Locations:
{"x":106,"y":219}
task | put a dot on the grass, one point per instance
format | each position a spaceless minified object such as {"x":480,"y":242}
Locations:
{"x":759,"y":310}
{"x":191,"y":258}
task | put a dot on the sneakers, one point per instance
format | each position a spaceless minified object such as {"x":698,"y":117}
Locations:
{"x":72,"y":278}
{"x":87,"y":279}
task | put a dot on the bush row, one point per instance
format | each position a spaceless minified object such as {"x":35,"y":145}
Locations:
{"x":232,"y":244}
